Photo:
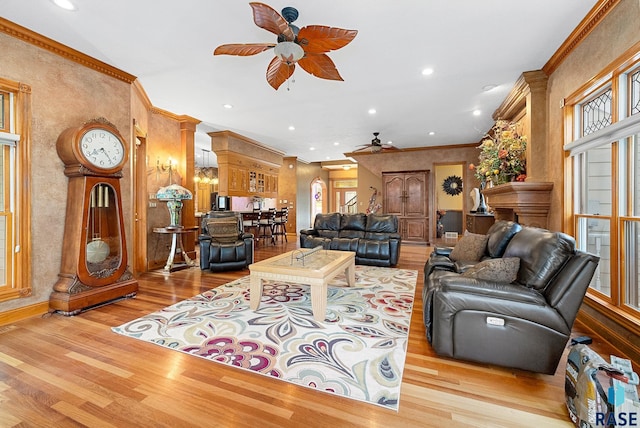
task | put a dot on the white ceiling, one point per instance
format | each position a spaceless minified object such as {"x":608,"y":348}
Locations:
{"x":469,"y":44}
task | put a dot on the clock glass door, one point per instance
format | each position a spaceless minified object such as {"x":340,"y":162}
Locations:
{"x":103,"y":240}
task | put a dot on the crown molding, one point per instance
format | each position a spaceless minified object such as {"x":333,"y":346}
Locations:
{"x":516,"y":102}
{"x":14,"y":30}
{"x":591,"y":21}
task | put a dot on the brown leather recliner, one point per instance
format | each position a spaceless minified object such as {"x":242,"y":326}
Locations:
{"x":524,"y":324}
{"x":224,"y":245}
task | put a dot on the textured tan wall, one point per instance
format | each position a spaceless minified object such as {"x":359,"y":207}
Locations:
{"x":371,"y":167}
{"x":618,"y":32}
{"x":163,"y":142}
{"x":64,"y":94}
{"x":287,"y":186}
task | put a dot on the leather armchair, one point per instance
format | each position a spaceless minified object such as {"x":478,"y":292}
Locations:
{"x":223,"y":243}
{"x":524,"y":324}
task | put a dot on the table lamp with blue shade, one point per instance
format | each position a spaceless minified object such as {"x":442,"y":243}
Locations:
{"x":174,"y":194}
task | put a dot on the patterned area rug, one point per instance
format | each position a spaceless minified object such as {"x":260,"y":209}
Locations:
{"x":357,"y":352}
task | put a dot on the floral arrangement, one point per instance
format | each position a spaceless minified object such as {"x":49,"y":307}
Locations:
{"x":502,"y":155}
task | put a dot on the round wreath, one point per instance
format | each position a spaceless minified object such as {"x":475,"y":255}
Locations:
{"x":452,"y":185}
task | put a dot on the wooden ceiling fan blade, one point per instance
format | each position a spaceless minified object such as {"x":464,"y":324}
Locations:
{"x":267,"y":18}
{"x":321,"y":66}
{"x":240,"y":49}
{"x":278,"y":72}
{"x":318,"y":39}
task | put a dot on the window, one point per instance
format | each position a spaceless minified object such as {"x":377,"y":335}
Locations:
{"x":7,"y":201}
{"x":15,"y":119}
{"x":605,"y":173}
{"x":4,"y":110}
{"x":630,"y":225}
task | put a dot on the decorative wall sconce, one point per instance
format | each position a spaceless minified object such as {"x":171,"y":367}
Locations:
{"x":166,"y":167}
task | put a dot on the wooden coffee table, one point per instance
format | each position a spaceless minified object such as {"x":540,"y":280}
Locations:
{"x":315,"y":267}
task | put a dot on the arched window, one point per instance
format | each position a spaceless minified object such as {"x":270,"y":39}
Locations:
{"x":318,"y":197}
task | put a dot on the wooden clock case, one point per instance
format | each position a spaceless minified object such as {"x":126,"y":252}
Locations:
{"x":91,"y":274}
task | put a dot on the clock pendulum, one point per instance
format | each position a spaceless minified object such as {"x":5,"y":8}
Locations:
{"x":94,"y":267}
{"x":97,"y":248}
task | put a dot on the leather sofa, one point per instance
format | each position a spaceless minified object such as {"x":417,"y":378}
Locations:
{"x":373,"y":237}
{"x":522,"y":324}
{"x":223,"y":243}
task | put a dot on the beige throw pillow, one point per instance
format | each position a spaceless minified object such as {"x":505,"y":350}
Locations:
{"x":498,"y":270}
{"x":470,"y":248}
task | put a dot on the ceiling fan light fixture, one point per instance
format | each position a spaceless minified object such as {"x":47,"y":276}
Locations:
{"x":289,"y":52}
{"x":65,"y":4}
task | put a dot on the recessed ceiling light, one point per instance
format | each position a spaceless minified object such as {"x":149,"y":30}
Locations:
{"x":389,"y":142}
{"x":432,"y":133}
{"x":336,"y":143}
{"x":312,"y":148}
{"x":65,"y":4}
{"x":372,"y":111}
{"x":292,"y":128}
{"x":227,"y":106}
{"x":477,"y":112}
{"x":427,"y":72}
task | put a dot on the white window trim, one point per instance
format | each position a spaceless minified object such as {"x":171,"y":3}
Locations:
{"x":614,"y":132}
{"x":9,"y":139}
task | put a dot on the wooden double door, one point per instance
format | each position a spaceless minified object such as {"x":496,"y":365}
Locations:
{"x":405,"y":194}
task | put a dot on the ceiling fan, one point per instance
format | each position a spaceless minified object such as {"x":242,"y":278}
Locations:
{"x":306,"y":46}
{"x":376,"y":145}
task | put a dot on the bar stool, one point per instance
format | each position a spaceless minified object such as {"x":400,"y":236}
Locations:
{"x":266,"y":225}
{"x":280,"y":224}
{"x":251,"y":221}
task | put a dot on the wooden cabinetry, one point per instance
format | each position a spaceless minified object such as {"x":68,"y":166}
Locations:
{"x":238,"y":180}
{"x":247,"y":177}
{"x":245,"y":167}
{"x":405,"y":194}
{"x":479,"y":223}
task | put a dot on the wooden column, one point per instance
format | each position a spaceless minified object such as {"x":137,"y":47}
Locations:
{"x":527,"y":104}
{"x":187,"y":142}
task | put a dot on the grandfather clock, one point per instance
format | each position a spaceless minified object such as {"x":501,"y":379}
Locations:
{"x":94,"y":268}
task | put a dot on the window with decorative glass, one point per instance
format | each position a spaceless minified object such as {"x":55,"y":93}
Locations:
{"x":605,"y":174}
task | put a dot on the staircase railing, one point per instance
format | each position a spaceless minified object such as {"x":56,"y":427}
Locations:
{"x":351,"y":206}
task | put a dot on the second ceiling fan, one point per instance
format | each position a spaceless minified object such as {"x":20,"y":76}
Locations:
{"x":376,"y":145}
{"x":307,"y":46}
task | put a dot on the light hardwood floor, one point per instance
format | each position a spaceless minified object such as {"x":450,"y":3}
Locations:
{"x":58,"y":371}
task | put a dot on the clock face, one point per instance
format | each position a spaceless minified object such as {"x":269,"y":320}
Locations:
{"x":102,"y":148}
